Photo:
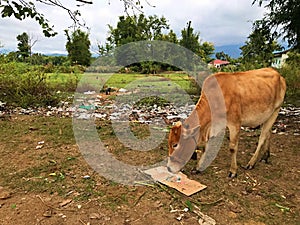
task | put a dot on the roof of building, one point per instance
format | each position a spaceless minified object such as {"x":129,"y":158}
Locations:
{"x":219,"y":62}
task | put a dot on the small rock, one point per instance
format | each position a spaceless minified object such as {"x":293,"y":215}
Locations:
{"x":4,"y":194}
{"x":48,"y":213}
{"x":94,"y":216}
{"x":232,"y":215}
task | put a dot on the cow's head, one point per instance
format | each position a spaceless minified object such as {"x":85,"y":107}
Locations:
{"x":182,"y":143}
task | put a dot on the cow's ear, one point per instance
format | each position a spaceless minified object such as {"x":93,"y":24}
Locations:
{"x":176,"y":128}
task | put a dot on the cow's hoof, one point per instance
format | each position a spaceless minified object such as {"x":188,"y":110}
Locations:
{"x":195,"y":171}
{"x":232,"y":175}
{"x":266,"y":158}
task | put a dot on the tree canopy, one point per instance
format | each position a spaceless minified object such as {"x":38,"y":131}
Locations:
{"x":258,"y":49}
{"x":78,"y":45}
{"x":23,"y":46}
{"x":283,"y":16}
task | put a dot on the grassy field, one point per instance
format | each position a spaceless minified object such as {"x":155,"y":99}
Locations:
{"x":117,"y":81}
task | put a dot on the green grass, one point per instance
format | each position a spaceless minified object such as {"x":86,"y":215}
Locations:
{"x":96,"y":81}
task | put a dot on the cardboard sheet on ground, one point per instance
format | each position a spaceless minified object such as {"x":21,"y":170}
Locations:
{"x":178,"y":181}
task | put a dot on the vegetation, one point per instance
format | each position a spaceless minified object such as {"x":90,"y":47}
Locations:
{"x":135,"y":28}
{"x":26,"y":85}
{"x":291,"y":72}
{"x":78,"y":47}
{"x":31,"y":72}
{"x":258,"y":50}
{"x":281,"y":20}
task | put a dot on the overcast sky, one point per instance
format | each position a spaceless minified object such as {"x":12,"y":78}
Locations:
{"x":218,"y":21}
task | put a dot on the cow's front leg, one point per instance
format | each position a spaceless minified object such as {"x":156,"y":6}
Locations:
{"x":233,"y":147}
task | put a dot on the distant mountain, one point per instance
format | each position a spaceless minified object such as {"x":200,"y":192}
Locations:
{"x":233,"y":51}
{"x":55,"y":54}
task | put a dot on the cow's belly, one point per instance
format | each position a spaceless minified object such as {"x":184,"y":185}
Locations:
{"x":255,"y":119}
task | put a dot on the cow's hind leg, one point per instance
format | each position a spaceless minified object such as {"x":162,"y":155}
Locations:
{"x":264,"y":141}
{"x":234,"y":132}
{"x":266,"y":149}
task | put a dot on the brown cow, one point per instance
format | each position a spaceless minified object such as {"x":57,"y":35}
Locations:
{"x":231,"y":100}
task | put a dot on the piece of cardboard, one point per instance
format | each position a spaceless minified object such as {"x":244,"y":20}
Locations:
{"x":178,"y":181}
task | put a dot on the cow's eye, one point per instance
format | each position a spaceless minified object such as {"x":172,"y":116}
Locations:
{"x":175,"y":145}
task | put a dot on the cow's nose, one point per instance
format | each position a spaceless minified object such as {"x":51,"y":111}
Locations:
{"x":169,"y":169}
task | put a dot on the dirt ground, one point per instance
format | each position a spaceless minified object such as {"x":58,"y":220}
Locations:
{"x":49,"y":182}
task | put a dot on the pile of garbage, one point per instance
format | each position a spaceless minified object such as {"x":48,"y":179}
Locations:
{"x":92,"y":105}
{"x":106,"y":109}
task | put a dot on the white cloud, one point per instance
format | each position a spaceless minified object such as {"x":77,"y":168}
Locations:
{"x":220,"y":22}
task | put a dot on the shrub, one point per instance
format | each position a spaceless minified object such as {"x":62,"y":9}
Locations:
{"x":291,"y":72}
{"x":24,"y":85}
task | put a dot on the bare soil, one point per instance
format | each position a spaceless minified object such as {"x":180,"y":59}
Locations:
{"x":53,"y":184}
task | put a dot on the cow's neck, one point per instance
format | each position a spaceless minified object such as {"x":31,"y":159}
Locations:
{"x":204,"y":115}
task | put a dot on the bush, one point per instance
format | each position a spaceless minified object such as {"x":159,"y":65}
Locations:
{"x":291,"y":72}
{"x":25,"y":86}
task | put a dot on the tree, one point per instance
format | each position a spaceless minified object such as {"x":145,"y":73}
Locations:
{"x":26,"y":42}
{"x":258,"y":49}
{"x":206,"y":51}
{"x":191,"y":41}
{"x":23,"y":9}
{"x":223,"y":56}
{"x":284,"y":17}
{"x":137,"y":28}
{"x":170,"y":37}
{"x":78,"y":47}
{"x":131,"y":29}
{"x":23,"y":46}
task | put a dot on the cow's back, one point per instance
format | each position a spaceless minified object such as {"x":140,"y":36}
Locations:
{"x":251,"y":96}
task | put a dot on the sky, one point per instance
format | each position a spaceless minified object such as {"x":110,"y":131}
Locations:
{"x":218,"y":21}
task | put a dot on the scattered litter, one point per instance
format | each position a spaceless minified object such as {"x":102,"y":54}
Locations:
{"x":282,"y":208}
{"x":178,"y":181}
{"x":122,"y":90}
{"x":40,"y":145}
{"x":65,"y":202}
{"x":86,"y":177}
{"x":204,"y":219}
{"x":89,"y":92}
{"x":94,"y":216}
{"x":62,"y":215}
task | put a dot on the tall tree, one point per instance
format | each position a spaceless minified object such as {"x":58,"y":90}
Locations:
{"x":78,"y":47}
{"x":258,"y":49}
{"x":191,"y":40}
{"x":284,"y":17}
{"x":23,"y":46}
